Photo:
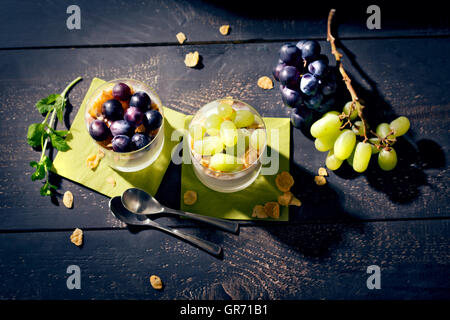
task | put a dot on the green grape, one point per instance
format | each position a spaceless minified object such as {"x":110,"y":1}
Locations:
{"x":212,"y":124}
{"x":258,"y":139}
{"x":225,"y":162}
{"x":197,"y":131}
{"x":383,"y":130}
{"x":244,"y":118}
{"x":208,"y":146}
{"x":348,"y":107}
{"x":232,"y":117}
{"x":358,"y":128}
{"x":363,"y":152}
{"x":344,"y":144}
{"x":373,"y":142}
{"x":350,"y":159}
{"x":331,"y":112}
{"x":387,"y":160}
{"x":325,"y":143}
{"x":228,"y":133}
{"x":326,"y":126}
{"x":224,"y":110}
{"x":332,"y":162}
{"x":400,"y":126}
{"x":243,"y":139}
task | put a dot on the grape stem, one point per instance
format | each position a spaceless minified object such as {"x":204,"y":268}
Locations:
{"x":348,"y":82}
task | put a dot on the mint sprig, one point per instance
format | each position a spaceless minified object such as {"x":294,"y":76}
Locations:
{"x":40,"y":133}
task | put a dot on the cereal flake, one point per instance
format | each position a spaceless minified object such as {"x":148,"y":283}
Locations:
{"x":181,"y":37}
{"x":323,"y":172}
{"x":259,"y":212}
{"x":272,"y":209}
{"x":68,"y":199}
{"x":77,"y":237}
{"x":191,"y":59}
{"x":285,"y":199}
{"x":224,"y":30}
{"x":190,"y":197}
{"x":319,"y":180}
{"x":111,"y":181}
{"x":156,"y":282}
{"x":265,"y":83}
{"x":284,"y":181}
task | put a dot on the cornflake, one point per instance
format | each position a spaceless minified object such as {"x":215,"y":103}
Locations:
{"x":323,"y":172}
{"x":181,"y":37}
{"x":111,"y":181}
{"x":191,"y":59}
{"x":265,"y":83}
{"x":259,"y":212}
{"x":94,"y":159}
{"x":295,"y":202}
{"x":272,"y":209}
{"x":285,"y":199}
{"x":284,"y":181}
{"x":156,"y":282}
{"x":77,"y":237}
{"x":224,"y":29}
{"x":319,"y":180}
{"x":190,"y":197}
{"x":68,"y":199}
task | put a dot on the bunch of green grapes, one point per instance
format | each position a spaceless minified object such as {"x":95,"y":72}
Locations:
{"x":346,"y":139}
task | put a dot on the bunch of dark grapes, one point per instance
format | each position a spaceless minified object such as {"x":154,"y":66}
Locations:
{"x":306,"y":83}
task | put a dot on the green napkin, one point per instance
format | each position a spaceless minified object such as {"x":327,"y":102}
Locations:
{"x":72,"y":163}
{"x":239,"y":205}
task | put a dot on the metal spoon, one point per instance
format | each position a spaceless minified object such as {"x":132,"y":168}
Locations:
{"x":140,"y":202}
{"x":130,"y":218}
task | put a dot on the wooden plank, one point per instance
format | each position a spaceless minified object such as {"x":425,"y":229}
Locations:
{"x":43,"y":24}
{"x":398,"y":81}
{"x":306,"y":261}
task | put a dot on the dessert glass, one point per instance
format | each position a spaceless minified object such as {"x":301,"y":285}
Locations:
{"x":138,"y":159}
{"x":227,"y":181}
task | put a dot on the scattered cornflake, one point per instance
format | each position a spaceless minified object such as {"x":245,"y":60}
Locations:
{"x":190,"y":197}
{"x":181,"y":37}
{"x":140,"y":129}
{"x":295,"y":202}
{"x":265,"y":83}
{"x":228,"y":100}
{"x":94,"y":159}
{"x":272,"y":209}
{"x":111,"y":181}
{"x":284,"y":181}
{"x":77,"y":237}
{"x":156,"y":282}
{"x":323,"y":172}
{"x":68,"y":199}
{"x":285,"y":199}
{"x":319,"y":180}
{"x":191,"y":59}
{"x":259,"y":212}
{"x":224,"y":29}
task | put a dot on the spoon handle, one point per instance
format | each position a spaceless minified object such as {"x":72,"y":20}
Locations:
{"x":226,"y":225}
{"x":209,"y":247}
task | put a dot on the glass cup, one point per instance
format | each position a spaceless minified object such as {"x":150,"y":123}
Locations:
{"x":138,"y":159}
{"x":248,"y":158}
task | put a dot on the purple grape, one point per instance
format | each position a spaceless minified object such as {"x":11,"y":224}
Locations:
{"x":313,"y":102}
{"x":121,"y":143}
{"x":310,"y":50}
{"x":309,"y":84}
{"x":289,"y":77}
{"x":328,"y":87}
{"x":121,"y":91}
{"x":134,"y":116}
{"x":112,"y":109}
{"x":121,"y":127}
{"x":276,"y":71}
{"x":296,"y":120}
{"x":152,"y":119}
{"x":290,"y":54}
{"x":318,"y":68}
{"x":291,"y":98}
{"x":300,"y":44}
{"x":140,"y":100}
{"x":99,"y":130}
{"x":140,"y":140}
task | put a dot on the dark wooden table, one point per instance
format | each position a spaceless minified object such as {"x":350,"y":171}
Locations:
{"x":397,"y":220}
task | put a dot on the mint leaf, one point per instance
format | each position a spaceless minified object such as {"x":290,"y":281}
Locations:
{"x":45,"y":105}
{"x":39,"y":174}
{"x":61,"y":133}
{"x":58,"y":142}
{"x":35,"y":134}
{"x":60,"y":104}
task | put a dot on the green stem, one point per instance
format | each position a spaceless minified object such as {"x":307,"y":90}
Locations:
{"x":63,"y":94}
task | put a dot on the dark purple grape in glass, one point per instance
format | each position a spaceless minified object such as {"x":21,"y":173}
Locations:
{"x":134,"y":116}
{"x":276,"y":71}
{"x":121,"y":91}
{"x":140,"y":140}
{"x":290,"y":54}
{"x":112,"y":109}
{"x":309,"y":84}
{"x":289,"y":77}
{"x":318,"y":68}
{"x":99,"y":130}
{"x":140,"y":100}
{"x":291,"y":98}
{"x":121,"y":143}
{"x":152,"y":119}
{"x":121,"y":127}
{"x":310,"y":50}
